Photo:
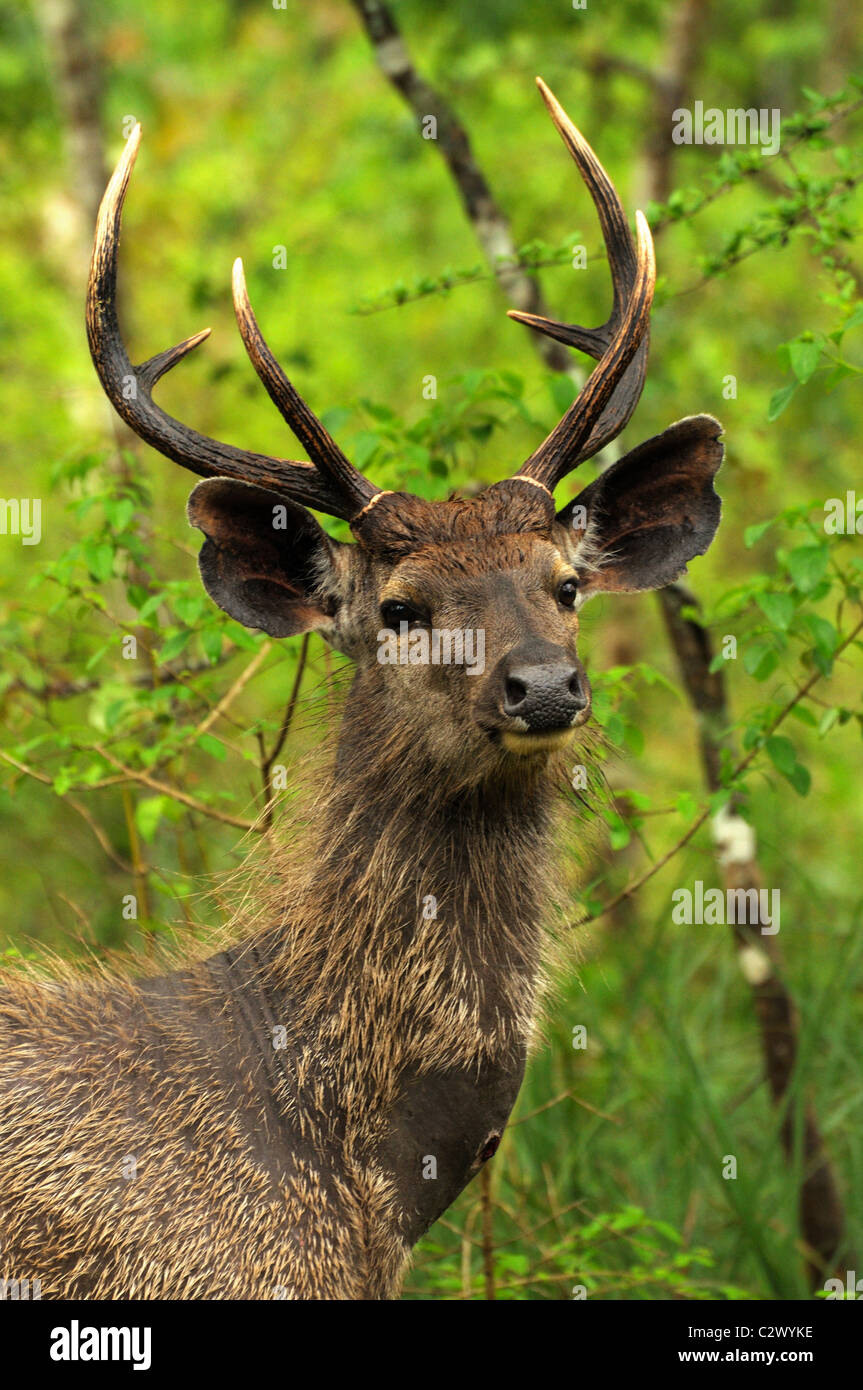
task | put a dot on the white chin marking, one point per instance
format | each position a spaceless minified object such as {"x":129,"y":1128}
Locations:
{"x":536,"y":743}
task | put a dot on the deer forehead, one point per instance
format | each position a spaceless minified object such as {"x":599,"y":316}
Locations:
{"x":473,"y":569}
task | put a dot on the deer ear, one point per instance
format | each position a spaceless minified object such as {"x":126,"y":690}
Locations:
{"x":265,"y":560}
{"x":642,"y":520}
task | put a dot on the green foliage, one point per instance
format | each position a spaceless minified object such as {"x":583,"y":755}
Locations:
{"x":582,"y":1263}
{"x":138,"y":719}
{"x":532,"y":256}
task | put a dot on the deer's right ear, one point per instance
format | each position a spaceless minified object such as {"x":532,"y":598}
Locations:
{"x":649,"y":514}
{"x":266,"y":560}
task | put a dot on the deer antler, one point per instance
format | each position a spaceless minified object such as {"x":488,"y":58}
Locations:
{"x":330,"y":460}
{"x":329,"y":483}
{"x":610,"y":395}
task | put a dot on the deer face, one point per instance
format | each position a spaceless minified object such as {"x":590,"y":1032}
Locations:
{"x":461,"y":617}
{"x":466,"y":634}
{"x":493,"y":630}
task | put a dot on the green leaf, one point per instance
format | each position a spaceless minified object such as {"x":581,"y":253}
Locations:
{"x":779,"y":400}
{"x":805,"y":354}
{"x":760,"y":660}
{"x":190,"y":607}
{"x":754,"y":533}
{"x":416,"y":456}
{"x":823,"y":660}
{"x":618,"y":832}
{"x":781,"y":753}
{"x":640,"y":800}
{"x":148,"y":814}
{"x":563,"y":391}
{"x":365,"y":446}
{"x":686,"y":806}
{"x":513,"y":382}
{"x":149,"y":607}
{"x":634,"y":739}
{"x":213,"y":746}
{"x":211,"y":642}
{"x":828,"y":719}
{"x":96,"y":657}
{"x":378,"y":411}
{"x":806,"y":565}
{"x":174,"y":644}
{"x":838,"y":373}
{"x":778,"y":609}
{"x":335,"y":418}
{"x":855,"y":320}
{"x":114,"y":712}
{"x":99,"y":558}
{"x":823,"y":632}
{"x":473,"y":380}
{"x":615,"y":729}
{"x":119,"y":512}
{"x":804,"y":716}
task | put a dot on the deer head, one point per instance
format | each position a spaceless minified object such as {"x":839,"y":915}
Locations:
{"x":507,"y":564}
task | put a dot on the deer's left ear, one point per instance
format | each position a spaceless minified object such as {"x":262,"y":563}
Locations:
{"x":266,"y":560}
{"x":642,"y":520}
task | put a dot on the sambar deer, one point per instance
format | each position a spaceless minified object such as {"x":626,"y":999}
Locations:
{"x":309,"y":1170}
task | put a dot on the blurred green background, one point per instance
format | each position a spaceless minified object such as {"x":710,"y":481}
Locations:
{"x":273,"y":127}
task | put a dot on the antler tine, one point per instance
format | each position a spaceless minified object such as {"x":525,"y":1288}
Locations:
{"x":322,"y":448}
{"x":605,"y":404}
{"x":594,"y":341}
{"x":129,"y":388}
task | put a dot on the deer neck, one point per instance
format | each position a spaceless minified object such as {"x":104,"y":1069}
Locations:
{"x":400,"y":980}
{"x":424,"y":898}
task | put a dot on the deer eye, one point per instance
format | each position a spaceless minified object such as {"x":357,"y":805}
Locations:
{"x":568,"y":592}
{"x":393,"y":613}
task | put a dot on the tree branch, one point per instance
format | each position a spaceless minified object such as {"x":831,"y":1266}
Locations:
{"x":268,"y":759}
{"x":164,"y":789}
{"x":484,"y":213}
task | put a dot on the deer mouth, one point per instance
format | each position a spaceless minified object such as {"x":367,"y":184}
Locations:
{"x":543,"y":741}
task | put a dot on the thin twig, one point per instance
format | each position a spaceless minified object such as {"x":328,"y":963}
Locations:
{"x":268,"y":759}
{"x":228,"y":698}
{"x":487,"y":1232}
{"x":485,"y":214}
{"x":635,"y":884}
{"x":138,"y":864}
{"x":566,"y":1095}
{"x":174,"y":793}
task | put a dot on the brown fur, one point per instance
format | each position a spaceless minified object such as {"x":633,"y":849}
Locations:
{"x":154,"y":1142}
{"x":260,"y":1170}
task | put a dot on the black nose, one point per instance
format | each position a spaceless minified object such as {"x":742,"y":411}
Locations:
{"x":545,"y":697}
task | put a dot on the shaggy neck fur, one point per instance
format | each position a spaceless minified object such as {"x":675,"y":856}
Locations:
{"x":406,"y":972}
{"x":422,"y":904}
{"x":400,"y":971}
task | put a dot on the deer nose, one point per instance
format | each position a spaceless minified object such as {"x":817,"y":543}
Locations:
{"x":545,"y":696}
